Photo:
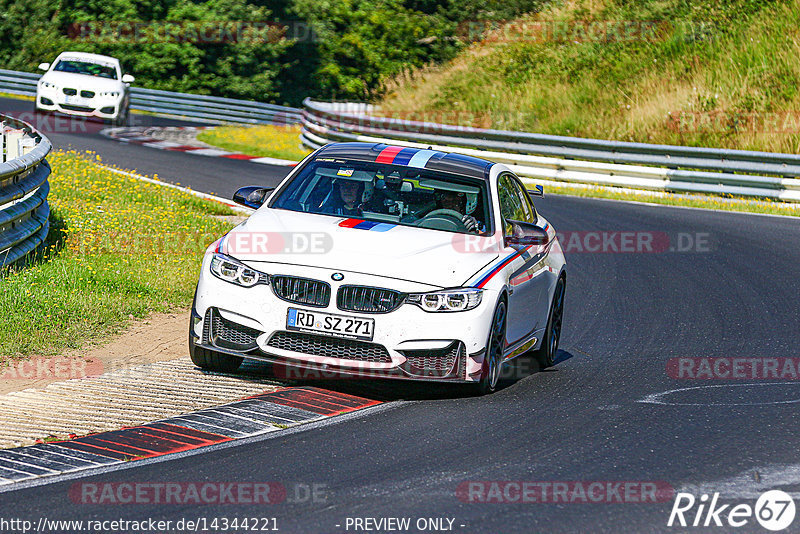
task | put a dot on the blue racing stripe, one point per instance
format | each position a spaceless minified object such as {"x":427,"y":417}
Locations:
{"x":421,"y":158}
{"x":366,"y":225}
{"x":404,"y":156}
{"x":382,"y":227}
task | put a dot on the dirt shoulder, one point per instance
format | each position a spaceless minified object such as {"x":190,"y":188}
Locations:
{"x":160,"y":337}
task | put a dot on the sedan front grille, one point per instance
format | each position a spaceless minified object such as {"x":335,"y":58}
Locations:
{"x":77,"y":108}
{"x":301,"y":290}
{"x":368,"y":299}
{"x":331,"y":347}
{"x":70,"y":92}
{"x":87,"y":94}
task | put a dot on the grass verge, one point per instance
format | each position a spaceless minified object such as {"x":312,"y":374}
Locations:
{"x":118,"y":249}
{"x":18,"y":97}
{"x":267,"y":140}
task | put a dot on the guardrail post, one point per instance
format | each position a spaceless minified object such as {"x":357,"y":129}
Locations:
{"x":26,"y":144}
{"x":13,"y":137}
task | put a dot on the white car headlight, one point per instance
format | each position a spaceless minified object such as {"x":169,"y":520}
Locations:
{"x":109,"y":94}
{"x":47,"y":85}
{"x":448,"y":300}
{"x":235,"y":272}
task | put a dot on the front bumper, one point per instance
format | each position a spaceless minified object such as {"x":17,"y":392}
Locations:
{"x":94,"y":107}
{"x":408,"y":342}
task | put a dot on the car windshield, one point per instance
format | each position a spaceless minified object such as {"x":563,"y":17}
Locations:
{"x":87,"y":68}
{"x":389,"y":193}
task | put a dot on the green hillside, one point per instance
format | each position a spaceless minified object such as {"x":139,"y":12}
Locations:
{"x":712,"y":73}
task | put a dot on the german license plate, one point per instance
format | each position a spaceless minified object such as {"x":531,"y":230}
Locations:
{"x":330,"y":324}
{"x":74,"y":100}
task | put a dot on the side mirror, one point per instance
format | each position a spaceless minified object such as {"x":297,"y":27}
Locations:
{"x":526,"y":234}
{"x":537,"y":191}
{"x":252,"y":196}
{"x":127,"y":78}
{"x":44,"y":66}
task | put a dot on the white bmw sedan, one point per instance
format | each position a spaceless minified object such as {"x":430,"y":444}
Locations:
{"x":88,"y":85}
{"x":371,"y":260}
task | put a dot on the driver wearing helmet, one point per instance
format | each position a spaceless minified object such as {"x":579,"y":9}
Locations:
{"x":462,"y":203}
{"x":346,"y":198}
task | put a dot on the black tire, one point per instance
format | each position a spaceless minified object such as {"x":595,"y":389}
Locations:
{"x":119,"y":120}
{"x":212,"y":360}
{"x":124,"y":120}
{"x":546,"y":354}
{"x":493,"y":359}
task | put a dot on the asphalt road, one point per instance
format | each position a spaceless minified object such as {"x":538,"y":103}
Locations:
{"x":627,"y":314}
{"x":219,"y":176}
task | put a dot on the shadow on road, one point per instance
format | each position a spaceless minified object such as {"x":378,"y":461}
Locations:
{"x":389,"y":390}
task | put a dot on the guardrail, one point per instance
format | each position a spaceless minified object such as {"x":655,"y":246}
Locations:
{"x":24,"y":211}
{"x":206,"y":108}
{"x":557,"y":159}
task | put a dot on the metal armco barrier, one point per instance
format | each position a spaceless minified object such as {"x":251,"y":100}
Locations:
{"x":571,"y":159}
{"x":24,"y":211}
{"x":206,"y":108}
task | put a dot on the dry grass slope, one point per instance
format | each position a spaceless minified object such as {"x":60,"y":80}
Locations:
{"x":723,"y":74}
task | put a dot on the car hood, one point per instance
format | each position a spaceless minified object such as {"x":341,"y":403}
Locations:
{"x":81,"y":81}
{"x":406,"y":253}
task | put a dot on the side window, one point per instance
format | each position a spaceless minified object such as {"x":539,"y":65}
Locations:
{"x":525,"y":199}
{"x":514,"y":202}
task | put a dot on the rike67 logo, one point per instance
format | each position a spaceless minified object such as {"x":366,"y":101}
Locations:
{"x":774,"y":510}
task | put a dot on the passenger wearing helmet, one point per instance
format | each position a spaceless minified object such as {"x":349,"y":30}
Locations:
{"x":463,"y":203}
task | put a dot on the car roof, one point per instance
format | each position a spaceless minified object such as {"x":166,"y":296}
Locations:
{"x":412,"y":157}
{"x":87,"y":55}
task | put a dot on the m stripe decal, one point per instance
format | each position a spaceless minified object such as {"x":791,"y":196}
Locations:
{"x":488,"y":276}
{"x":361,"y":224}
{"x":413,"y":157}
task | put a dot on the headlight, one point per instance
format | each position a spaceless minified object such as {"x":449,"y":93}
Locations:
{"x":47,"y":85}
{"x":449,"y":300}
{"x":109,"y":94}
{"x":235,"y":272}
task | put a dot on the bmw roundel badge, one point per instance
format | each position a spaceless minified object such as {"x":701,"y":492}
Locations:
{"x":337,"y":277}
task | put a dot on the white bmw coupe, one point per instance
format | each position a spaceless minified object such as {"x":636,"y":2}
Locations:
{"x":88,"y":85}
{"x":371,"y":260}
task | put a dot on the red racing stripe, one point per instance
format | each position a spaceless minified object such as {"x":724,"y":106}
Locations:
{"x":350,"y":223}
{"x":387,"y":154}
